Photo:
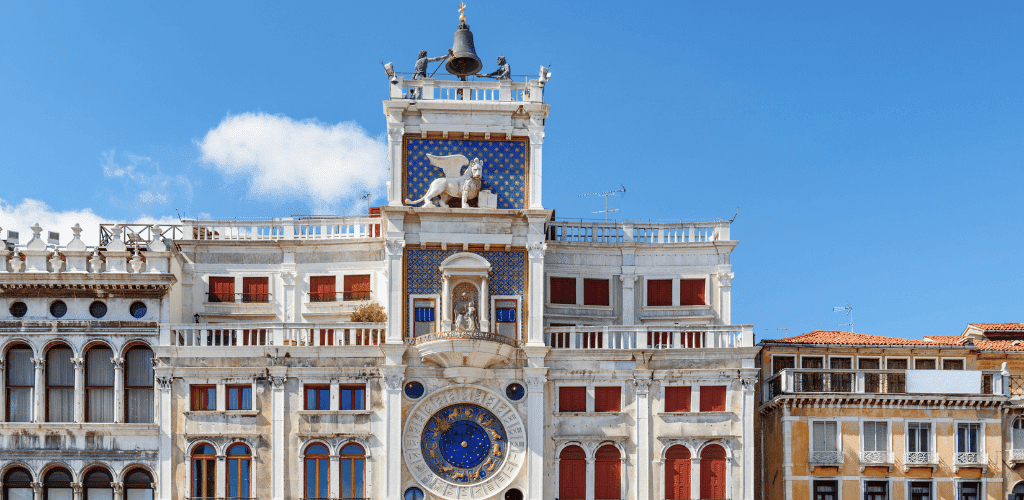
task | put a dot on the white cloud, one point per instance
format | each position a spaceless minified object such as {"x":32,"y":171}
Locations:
{"x":142,"y":179}
{"x":23,"y":216}
{"x":321,"y":163}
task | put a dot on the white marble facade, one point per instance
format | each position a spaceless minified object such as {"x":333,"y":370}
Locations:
{"x":586,"y":358}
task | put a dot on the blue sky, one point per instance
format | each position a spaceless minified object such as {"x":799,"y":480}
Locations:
{"x":874,"y":149}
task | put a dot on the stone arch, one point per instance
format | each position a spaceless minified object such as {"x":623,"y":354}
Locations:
{"x":18,"y":465}
{"x":59,"y":464}
{"x":725,"y":446}
{"x":131,"y":467}
{"x":134,"y":342}
{"x":685,"y":444}
{"x":19,"y":341}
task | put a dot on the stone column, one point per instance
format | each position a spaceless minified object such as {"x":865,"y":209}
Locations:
{"x":335,"y":472}
{"x":536,"y":381}
{"x":394,"y":255}
{"x":289,"y":304}
{"x":393,"y":376}
{"x":118,"y":389}
{"x":536,"y":131}
{"x":629,"y":300}
{"x":748,"y":438}
{"x":642,"y":380}
{"x":222,"y":476}
{"x":725,"y":297}
{"x":37,"y":491}
{"x":590,"y":479}
{"x":396,"y":131}
{"x":79,"y":389}
{"x":485,"y":307}
{"x":40,"y":396}
{"x":3,"y":395}
{"x":446,"y":310}
{"x":277,"y":439}
{"x":535,"y":295}
{"x":77,"y":490}
{"x":118,"y":490}
{"x":164,"y":385}
{"x":695,"y":477}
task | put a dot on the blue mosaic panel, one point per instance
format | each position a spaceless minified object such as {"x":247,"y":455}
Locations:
{"x":504,"y":171}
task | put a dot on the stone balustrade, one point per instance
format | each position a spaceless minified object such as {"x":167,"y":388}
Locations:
{"x":285,"y":228}
{"x":637,"y":232}
{"x":649,"y":337}
{"x":277,"y":334}
{"x":39,"y":256}
{"x":839,"y":381}
{"x":429,"y":89}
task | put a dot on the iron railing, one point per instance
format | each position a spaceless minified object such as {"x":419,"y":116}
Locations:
{"x":243,"y":298}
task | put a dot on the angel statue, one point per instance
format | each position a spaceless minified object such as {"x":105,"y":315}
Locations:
{"x":467,"y":185}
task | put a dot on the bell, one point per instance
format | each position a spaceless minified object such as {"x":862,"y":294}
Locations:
{"x":463,"y":61}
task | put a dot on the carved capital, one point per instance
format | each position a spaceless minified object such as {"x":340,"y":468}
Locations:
{"x":164,"y":383}
{"x":37,"y":487}
{"x":118,"y":488}
{"x":118,"y":363}
{"x":39,"y":362}
{"x":278,"y":383}
{"x":535,"y":384}
{"x":78,"y":362}
{"x":77,"y":487}
{"x":393,"y":381}
{"x":628,"y":280}
{"x":643,"y":385}
{"x":748,"y":384}
{"x":288,"y":278}
{"x":394,"y":247}
{"x":725,"y":279}
{"x":537,"y":250}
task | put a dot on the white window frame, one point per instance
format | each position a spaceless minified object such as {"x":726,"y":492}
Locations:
{"x":677,"y":299}
{"x":958,"y":481}
{"x":665,"y":384}
{"x":881,"y":364}
{"x":943,"y":362}
{"x":675,"y":290}
{"x":519,"y":313}
{"x":853,"y":361}
{"x":824,"y":358}
{"x":412,"y":311}
{"x":771,"y":362}
{"x":880,"y":479}
{"x":913,"y":365}
{"x":885,"y":362}
{"x":222,"y":388}
{"x":810,"y":435}
{"x":579,"y":289}
{"x":888,"y":439}
{"x":695,"y":394}
{"x":906,"y":486}
{"x":1014,"y":451}
{"x":982,"y":454}
{"x":932,"y":442}
{"x":836,"y":479}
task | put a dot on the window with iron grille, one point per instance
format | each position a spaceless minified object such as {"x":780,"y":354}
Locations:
{"x":321,"y":289}
{"x":357,"y":287}
{"x":222,"y":289}
{"x":875,"y":440}
{"x":256,"y":289}
{"x":824,"y":442}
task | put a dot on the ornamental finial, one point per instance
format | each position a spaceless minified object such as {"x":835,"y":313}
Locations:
{"x":462,"y":12}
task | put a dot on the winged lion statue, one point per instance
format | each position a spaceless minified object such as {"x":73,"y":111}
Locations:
{"x":455,"y":183}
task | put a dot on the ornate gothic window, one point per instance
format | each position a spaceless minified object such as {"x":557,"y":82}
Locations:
{"x":138,"y":485}
{"x":17,"y":484}
{"x":57,"y":485}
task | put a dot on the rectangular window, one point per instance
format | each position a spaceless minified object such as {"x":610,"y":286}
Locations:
{"x":563,"y":290}
{"x":353,"y":397}
{"x":924,"y":364}
{"x":99,"y":381}
{"x":239,"y":397}
{"x":876,"y":437}
{"x":968,"y":490}
{"x":868,"y":363}
{"x":812,"y":362}
{"x":595,"y":292}
{"x":677,"y":399}
{"x":967,"y":440}
{"x":222,"y":289}
{"x":321,"y":289}
{"x":823,"y":442}
{"x":572,"y":399}
{"x":876,"y":490}
{"x":919,"y":439}
{"x":921,"y":490}
{"x":607,"y":399}
{"x":896,"y":364}
{"x":826,"y":490}
{"x":952,"y":364}
{"x":712,"y":398}
{"x":423,"y":320}
{"x":659,"y":292}
{"x":318,"y":397}
{"x":138,"y":377}
{"x":204,"y":397}
{"x":60,"y":389}
{"x":256,"y":289}
{"x":20,"y":382}
{"x":691,"y":293}
{"x":357,"y":287}
{"x":505,"y":318}
{"x":780,"y":363}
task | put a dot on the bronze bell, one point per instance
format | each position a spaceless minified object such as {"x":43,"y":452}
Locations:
{"x":463,"y":61}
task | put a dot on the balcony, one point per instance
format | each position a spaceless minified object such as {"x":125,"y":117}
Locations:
{"x":286,"y":228}
{"x":649,"y":337}
{"x":346,"y":296}
{"x":970,"y":459}
{"x":826,"y":458}
{"x":239,"y":304}
{"x":876,"y":459}
{"x":867,"y":382}
{"x":1016,"y":455}
{"x":277,"y":334}
{"x":637,"y":232}
{"x":920,"y":459}
{"x":429,"y":89}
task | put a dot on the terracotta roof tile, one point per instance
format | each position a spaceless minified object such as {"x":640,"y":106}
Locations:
{"x":999,"y":345}
{"x":1006,"y":327}
{"x":846,"y":338}
{"x":946,"y":339}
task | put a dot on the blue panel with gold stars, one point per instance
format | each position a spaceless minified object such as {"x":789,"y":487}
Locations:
{"x":504,"y":172}
{"x":464,"y":443}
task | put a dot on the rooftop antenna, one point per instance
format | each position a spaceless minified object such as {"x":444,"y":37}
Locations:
{"x":849,"y":312}
{"x":606,"y":195}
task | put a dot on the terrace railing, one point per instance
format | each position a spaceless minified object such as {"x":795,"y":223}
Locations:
{"x":277,"y":334}
{"x":325,"y":228}
{"x":836,"y":381}
{"x":649,"y":337}
{"x":637,"y":232}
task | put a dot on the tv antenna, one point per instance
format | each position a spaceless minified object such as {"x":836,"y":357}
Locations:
{"x":849,"y":312}
{"x":606,"y":195}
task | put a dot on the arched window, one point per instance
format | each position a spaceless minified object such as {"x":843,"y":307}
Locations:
{"x":712,"y":472}
{"x":607,"y":473}
{"x":57,"y":485}
{"x":60,"y":385}
{"x":138,"y":485}
{"x":17,"y":484}
{"x":96,"y":485}
{"x":572,"y":473}
{"x":138,"y":387}
{"x":1017,"y":494}
{"x":317,"y":471}
{"x":239,"y":463}
{"x":677,"y":473}
{"x":21,"y":378}
{"x":204,"y":471}
{"x":353,"y":464}
{"x":99,"y":384}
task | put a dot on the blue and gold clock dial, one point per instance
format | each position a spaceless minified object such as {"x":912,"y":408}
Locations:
{"x":464,"y":443}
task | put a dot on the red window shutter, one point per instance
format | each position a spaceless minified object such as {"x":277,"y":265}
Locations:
{"x":572,"y":474}
{"x":563,"y":290}
{"x":607,"y":399}
{"x":607,"y":474}
{"x":659,"y":292}
{"x":677,"y":473}
{"x":255,"y":289}
{"x":712,"y":472}
{"x":222,"y":289}
{"x":572,"y":399}
{"x":691,"y":293}
{"x":595,"y":292}
{"x":321,"y":288}
{"x":677,"y":399}
{"x":712,"y":398}
{"x":357,"y":287}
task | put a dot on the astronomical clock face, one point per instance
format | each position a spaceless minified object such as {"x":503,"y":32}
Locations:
{"x":464,"y":443}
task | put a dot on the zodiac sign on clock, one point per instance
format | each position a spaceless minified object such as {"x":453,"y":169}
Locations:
{"x":463,"y":443}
